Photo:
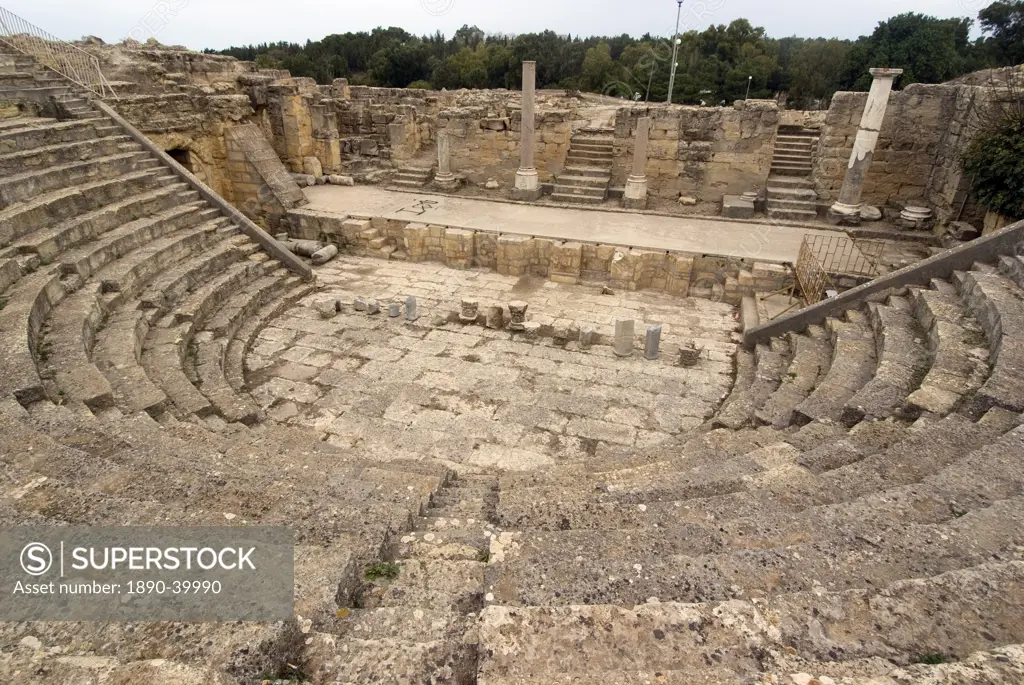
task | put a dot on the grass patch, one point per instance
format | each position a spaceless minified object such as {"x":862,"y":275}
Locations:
{"x":483,"y":555}
{"x":932,"y":658}
{"x":382,"y":569}
{"x":288,"y":673}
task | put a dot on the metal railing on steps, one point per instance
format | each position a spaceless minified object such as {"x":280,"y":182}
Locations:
{"x":70,"y":61}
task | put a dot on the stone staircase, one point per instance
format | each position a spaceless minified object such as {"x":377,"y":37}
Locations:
{"x":791,"y":194}
{"x":588,"y":168}
{"x":412,"y":177}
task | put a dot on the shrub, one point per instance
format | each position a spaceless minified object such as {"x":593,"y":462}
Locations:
{"x":995,"y":156}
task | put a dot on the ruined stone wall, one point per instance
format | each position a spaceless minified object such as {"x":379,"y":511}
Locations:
{"x":193,"y":123}
{"x":677,"y":273}
{"x":949,"y":188}
{"x":260,"y":184}
{"x":914,"y":160}
{"x":486,"y":147}
{"x":701,"y":151}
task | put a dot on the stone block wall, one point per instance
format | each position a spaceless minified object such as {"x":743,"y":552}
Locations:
{"x":259,"y":184}
{"x":915,"y":158}
{"x":486,"y":144}
{"x":197,"y":123}
{"x":677,"y":273}
{"x":703,"y":151}
{"x":949,"y":188}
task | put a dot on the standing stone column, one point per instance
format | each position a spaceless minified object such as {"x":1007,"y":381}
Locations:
{"x":623,"y":344}
{"x":527,"y":182}
{"x":635,"y":196}
{"x":444,"y":176}
{"x":847,"y":209}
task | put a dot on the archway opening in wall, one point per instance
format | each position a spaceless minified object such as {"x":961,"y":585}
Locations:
{"x":182,"y":157}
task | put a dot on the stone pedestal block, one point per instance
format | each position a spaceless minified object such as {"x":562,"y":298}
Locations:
{"x":495,"y":317}
{"x":469,"y":309}
{"x":588,"y":336}
{"x":736,"y":207}
{"x":635,"y":195}
{"x":415,"y":239}
{"x":527,"y":186}
{"x":411,"y":309}
{"x":652,"y":342}
{"x":517,"y":315}
{"x":623,"y":345}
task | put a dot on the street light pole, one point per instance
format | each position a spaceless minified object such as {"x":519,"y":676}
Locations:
{"x":675,"y":52}
{"x":750,"y":79}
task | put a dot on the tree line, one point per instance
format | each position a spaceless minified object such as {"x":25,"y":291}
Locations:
{"x":717,"y":65}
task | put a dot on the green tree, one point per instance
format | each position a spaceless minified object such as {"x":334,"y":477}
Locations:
{"x":814,"y":72}
{"x":929,"y":50}
{"x":1004,"y":20}
{"x":599,"y":69}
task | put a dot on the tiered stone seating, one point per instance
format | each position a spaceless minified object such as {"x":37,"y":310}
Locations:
{"x":837,"y":495}
{"x":853,"y":507}
{"x":123,"y":293}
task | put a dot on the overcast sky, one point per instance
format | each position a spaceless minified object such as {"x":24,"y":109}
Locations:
{"x":221,"y":23}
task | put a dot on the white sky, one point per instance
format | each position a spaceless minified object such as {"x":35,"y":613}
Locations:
{"x":222,"y":23}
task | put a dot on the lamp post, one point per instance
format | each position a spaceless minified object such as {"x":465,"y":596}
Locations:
{"x":675,"y":52}
{"x":750,"y":79}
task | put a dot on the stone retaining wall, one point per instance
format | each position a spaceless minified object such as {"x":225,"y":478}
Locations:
{"x":677,"y":273}
{"x":702,"y":151}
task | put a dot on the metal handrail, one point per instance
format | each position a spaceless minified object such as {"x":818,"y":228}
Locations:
{"x":70,"y":61}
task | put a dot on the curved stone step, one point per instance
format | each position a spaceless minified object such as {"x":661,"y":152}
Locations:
{"x":67,"y":152}
{"x":997,"y":303}
{"x":936,"y":444}
{"x":234,"y":356}
{"x":812,"y":357}
{"x":178,"y":281}
{"x":601,"y":568}
{"x":23,"y":186}
{"x":36,"y":134}
{"x":49,"y":243}
{"x":956,"y":342}
{"x":26,"y":305}
{"x":118,"y":356}
{"x":36,"y":218}
{"x":93,"y":256}
{"x":118,"y":350}
{"x":853,"y":364}
{"x":74,"y":324}
{"x":873,"y":457}
{"x":317,"y":508}
{"x":771,"y":362}
{"x":903,"y":361}
{"x":166,"y":345}
{"x":520,"y":645}
{"x":210,"y":354}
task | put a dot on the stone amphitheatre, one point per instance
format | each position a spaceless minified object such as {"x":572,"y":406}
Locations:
{"x":812,"y":472}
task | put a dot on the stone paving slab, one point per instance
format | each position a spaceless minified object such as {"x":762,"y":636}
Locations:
{"x":475,"y":397}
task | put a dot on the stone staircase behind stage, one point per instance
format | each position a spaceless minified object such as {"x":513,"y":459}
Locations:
{"x":412,"y":177}
{"x":588,"y":168}
{"x":791,"y":194}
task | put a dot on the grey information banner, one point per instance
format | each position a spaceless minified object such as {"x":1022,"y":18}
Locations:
{"x":82,"y":573}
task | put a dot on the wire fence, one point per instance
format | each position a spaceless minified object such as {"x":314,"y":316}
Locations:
{"x":70,"y":61}
{"x":824,"y":259}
